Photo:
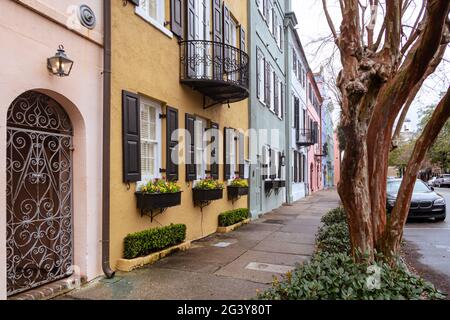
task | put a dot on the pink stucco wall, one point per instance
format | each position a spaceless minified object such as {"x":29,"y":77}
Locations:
{"x":28,"y":39}
{"x":315,"y":175}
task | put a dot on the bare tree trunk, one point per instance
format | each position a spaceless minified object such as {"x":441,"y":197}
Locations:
{"x":394,"y":232}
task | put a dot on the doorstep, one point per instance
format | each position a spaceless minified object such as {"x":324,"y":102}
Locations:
{"x":128,"y":265}
{"x":49,"y":291}
{"x":232,"y":227}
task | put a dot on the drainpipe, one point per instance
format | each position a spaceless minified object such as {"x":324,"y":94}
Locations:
{"x":109,"y":273}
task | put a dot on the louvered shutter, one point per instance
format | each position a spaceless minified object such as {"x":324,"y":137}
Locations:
{"x":191,"y":171}
{"x":273,"y":164}
{"x":190,"y":47}
{"x":226,"y":35}
{"x":279,"y":167}
{"x":295,"y":167}
{"x":171,"y":144}
{"x":215,"y":151}
{"x":275,"y":93}
{"x":297,"y":118}
{"x":227,"y":152}
{"x":241,"y":155}
{"x":265,"y":162}
{"x":176,"y":17}
{"x":294,"y":61}
{"x":131,"y":137}
{"x":282,"y":100}
{"x":258,"y":73}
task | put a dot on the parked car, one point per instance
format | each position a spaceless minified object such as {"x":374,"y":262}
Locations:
{"x":425,"y":202}
{"x":443,"y":180}
{"x":432,"y":182}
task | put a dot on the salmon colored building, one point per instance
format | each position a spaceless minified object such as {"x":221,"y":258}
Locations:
{"x":50,"y":133}
{"x":313,"y":123}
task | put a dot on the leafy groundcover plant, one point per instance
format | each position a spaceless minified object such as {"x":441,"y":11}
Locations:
{"x":231,"y":217}
{"x":209,"y":184}
{"x":332,"y":273}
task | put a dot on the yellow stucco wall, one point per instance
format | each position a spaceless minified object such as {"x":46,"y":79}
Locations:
{"x":146,"y":61}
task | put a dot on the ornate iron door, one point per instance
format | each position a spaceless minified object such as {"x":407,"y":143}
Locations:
{"x":39,"y":192}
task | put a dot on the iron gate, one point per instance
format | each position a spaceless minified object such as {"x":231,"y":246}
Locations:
{"x":39,"y":192}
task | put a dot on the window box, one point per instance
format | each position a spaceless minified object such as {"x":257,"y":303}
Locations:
{"x":236,"y":192}
{"x":153,"y":201}
{"x":201,"y":196}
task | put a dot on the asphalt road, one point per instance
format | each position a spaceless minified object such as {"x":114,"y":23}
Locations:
{"x":432,"y":242}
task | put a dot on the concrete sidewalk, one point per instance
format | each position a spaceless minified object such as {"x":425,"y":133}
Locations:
{"x":225,"y":266}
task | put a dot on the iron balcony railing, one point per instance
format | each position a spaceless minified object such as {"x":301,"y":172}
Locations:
{"x":220,"y":71}
{"x":306,"y":137}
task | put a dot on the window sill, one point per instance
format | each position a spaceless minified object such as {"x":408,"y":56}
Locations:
{"x":154,"y":23}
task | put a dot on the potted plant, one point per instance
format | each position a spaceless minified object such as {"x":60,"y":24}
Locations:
{"x":158,"y":194}
{"x":238,"y":187}
{"x":208,"y":190}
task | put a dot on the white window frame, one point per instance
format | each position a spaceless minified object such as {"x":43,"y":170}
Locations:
{"x":201,"y":147}
{"x":158,"y":21}
{"x":147,"y":176}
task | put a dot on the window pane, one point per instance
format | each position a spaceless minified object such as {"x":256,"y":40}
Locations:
{"x":152,"y":124}
{"x":144,"y":122}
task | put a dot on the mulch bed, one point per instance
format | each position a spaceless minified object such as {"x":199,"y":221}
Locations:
{"x":412,"y":258}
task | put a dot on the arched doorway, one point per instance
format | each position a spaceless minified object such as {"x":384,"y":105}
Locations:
{"x":39,"y":192}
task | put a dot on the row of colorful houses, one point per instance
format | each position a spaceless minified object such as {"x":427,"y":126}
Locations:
{"x":141,"y":90}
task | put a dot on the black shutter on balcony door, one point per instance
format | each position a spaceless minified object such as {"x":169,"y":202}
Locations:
{"x":171,"y":144}
{"x":176,"y":17}
{"x":226,"y":152}
{"x":226,"y":35}
{"x":241,"y":155}
{"x":190,"y":34}
{"x":215,"y":151}
{"x":191,"y":170}
{"x":131,"y":137}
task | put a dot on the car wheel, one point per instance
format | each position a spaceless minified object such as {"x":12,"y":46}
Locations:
{"x":440,"y":219}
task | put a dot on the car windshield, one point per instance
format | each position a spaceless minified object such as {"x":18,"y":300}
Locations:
{"x":394,"y":186}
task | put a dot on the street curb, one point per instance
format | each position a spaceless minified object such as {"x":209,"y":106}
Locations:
{"x":128,"y":265}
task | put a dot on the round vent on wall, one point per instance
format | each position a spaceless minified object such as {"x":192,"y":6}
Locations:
{"x":87,"y":16}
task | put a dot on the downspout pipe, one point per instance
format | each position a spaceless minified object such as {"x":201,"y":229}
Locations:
{"x":109,"y":273}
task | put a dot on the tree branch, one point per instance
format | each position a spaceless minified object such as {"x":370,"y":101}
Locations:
{"x":394,"y":232}
{"x":329,"y":20}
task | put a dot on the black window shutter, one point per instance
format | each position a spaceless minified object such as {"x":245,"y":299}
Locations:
{"x":191,"y":170}
{"x":241,"y":155}
{"x":280,"y":156}
{"x":215,"y":151}
{"x":266,"y":83}
{"x":131,"y":137}
{"x":176,"y":17}
{"x":296,"y":171}
{"x":297,"y":118}
{"x":272,"y":166}
{"x":226,"y":153}
{"x":171,"y":144}
{"x":294,"y":58}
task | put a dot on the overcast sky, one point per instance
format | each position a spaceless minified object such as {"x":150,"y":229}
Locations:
{"x":312,"y":25}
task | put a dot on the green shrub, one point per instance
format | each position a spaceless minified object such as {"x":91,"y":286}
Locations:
{"x":335,"y":276}
{"x":146,"y":242}
{"x":334,"y":238}
{"x":231,"y":217}
{"x":334,"y":216}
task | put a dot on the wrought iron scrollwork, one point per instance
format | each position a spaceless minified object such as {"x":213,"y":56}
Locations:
{"x":214,"y":61}
{"x":39,"y":193}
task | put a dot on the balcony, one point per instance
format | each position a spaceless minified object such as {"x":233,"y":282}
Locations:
{"x":218,"y":71}
{"x":306,"y":137}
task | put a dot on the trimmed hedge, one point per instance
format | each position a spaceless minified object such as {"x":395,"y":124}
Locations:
{"x":146,"y":242}
{"x":231,"y":217}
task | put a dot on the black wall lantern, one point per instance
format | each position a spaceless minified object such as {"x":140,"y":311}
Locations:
{"x":60,"y":64}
